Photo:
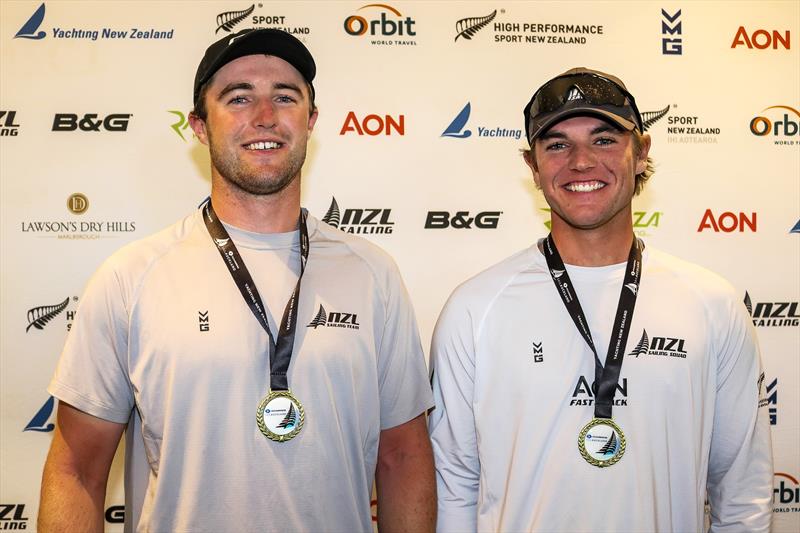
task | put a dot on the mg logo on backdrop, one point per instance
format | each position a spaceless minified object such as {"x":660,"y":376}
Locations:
{"x":762,"y":39}
{"x":671,"y":25}
{"x":30,"y":30}
{"x":387,"y":27}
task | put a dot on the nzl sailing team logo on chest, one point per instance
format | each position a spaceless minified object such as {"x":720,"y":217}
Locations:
{"x":662,"y":346}
{"x":334,"y":319}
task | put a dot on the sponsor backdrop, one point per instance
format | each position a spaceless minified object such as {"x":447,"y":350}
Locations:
{"x":416,"y":148}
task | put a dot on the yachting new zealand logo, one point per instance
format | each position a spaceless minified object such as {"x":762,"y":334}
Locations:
{"x":30,"y":30}
{"x":334,"y":319}
{"x":363,"y":221}
{"x":467,"y":27}
{"x":457,"y":129}
{"x":41,"y":420}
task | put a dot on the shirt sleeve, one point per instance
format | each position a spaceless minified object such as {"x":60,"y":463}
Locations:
{"x":405,"y":391}
{"x":740,"y":462}
{"x":452,"y":423}
{"x":91,"y":374}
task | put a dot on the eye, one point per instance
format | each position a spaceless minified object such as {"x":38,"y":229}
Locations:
{"x":555,"y":146}
{"x":285,"y":99}
{"x":239,"y":99}
{"x":603,"y":141}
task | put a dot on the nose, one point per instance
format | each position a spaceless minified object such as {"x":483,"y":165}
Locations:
{"x":264,"y":115}
{"x":582,"y":158}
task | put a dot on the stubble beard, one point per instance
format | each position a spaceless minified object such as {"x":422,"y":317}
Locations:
{"x":251,"y":180}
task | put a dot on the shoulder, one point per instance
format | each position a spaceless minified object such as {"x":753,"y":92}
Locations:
{"x":134,"y":260}
{"x":473,"y":298}
{"x":704,"y":286}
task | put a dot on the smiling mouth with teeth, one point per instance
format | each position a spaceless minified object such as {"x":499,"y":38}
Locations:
{"x":584,"y":186}
{"x":262,"y":146}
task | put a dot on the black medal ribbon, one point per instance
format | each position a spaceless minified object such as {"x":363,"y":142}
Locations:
{"x":280,"y":352}
{"x":606,"y":376}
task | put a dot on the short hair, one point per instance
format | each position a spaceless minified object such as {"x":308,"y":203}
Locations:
{"x":201,"y":112}
{"x":641,"y":178}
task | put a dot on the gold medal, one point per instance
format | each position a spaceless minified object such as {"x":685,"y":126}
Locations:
{"x":280,"y":416}
{"x":601,"y":442}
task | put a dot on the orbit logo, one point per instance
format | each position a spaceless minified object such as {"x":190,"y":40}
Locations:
{"x":780,"y":123}
{"x":116,"y":122}
{"x":462,"y":220}
{"x":785,"y":493}
{"x":383,"y":25}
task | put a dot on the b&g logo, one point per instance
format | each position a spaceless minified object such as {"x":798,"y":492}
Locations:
{"x":91,"y":122}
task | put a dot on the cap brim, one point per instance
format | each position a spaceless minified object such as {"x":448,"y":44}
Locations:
{"x":563,"y":114}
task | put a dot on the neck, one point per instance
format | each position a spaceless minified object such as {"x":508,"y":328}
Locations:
{"x":594,"y":247}
{"x":268,"y":213}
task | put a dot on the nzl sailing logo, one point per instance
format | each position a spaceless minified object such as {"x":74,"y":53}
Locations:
{"x":361,"y":221}
{"x":664,"y":346}
{"x":334,"y":320}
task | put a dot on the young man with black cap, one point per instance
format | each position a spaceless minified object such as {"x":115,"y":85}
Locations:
{"x":253,"y":402}
{"x":539,"y":427}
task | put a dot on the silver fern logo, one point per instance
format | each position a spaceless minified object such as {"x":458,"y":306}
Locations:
{"x":38,"y":317}
{"x":227,"y":20}
{"x":290,"y":420}
{"x":332,"y":217}
{"x":320,"y":320}
{"x":643,"y":346}
{"x":467,"y":27}
{"x":748,"y":303}
{"x":651,"y":117}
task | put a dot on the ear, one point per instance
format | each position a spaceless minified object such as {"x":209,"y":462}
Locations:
{"x":644,"y":149}
{"x":528,"y":156}
{"x":199,"y":127}
{"x":312,"y":119}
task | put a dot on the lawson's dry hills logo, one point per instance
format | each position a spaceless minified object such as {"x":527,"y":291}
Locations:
{"x":363,"y":221}
{"x":506,"y":27}
{"x":31,"y":30}
{"x":334,"y":319}
{"x":75,"y":229}
{"x":255,"y":16}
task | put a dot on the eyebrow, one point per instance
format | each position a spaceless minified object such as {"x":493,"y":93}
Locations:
{"x":234,"y":87}
{"x":604,"y":128}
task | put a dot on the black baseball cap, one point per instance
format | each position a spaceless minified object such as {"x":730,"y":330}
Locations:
{"x":269,"y":41}
{"x":581,"y":91}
